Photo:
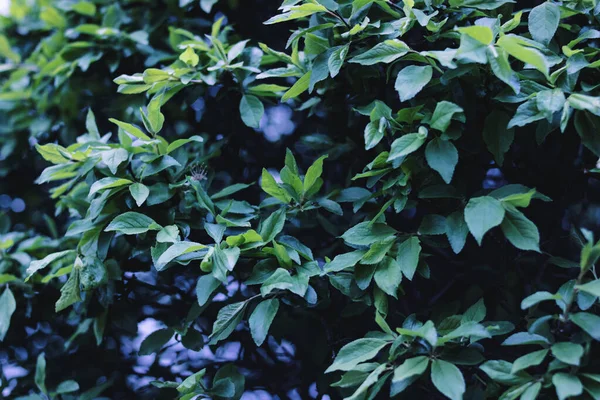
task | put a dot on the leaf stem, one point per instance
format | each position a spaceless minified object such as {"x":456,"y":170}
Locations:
{"x":572,"y":299}
{"x":339,"y":16}
{"x":394,"y":6}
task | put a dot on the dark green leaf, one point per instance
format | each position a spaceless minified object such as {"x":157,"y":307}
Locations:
{"x":261,"y":319}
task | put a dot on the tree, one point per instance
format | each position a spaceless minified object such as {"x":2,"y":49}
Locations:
{"x":396,"y":199}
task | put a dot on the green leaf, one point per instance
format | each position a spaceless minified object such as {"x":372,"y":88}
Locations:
{"x":280,"y":279}
{"x":69,"y":293}
{"x":480,"y":4}
{"x":89,"y":9}
{"x":174,"y":251}
{"x":590,"y":254}
{"x":442,"y":156}
{"x":298,"y":88}
{"x":356,"y":352}
{"x":294,"y":244}
{"x":331,"y":206}
{"x":525,"y":338}
{"x":406,"y":144}
{"x":372,"y":379}
{"x":215,"y":231}
{"x":590,"y":323}
{"x":202,"y":197}
{"x":205,"y":287}
{"x":443,"y":114}
{"x":538,"y":297}
{"x":365,"y":233}
{"x":270,"y":186}
{"x":294,"y":188}
{"x":447,"y":379}
{"x":377,"y":251}
{"x":193,"y":340}
{"x":224,"y":261}
{"x":261,"y":319}
{"x":53,"y":17}
{"x":180,"y":142}
{"x":567,"y":352}
{"x":543,"y":21}
{"x":250,"y":236}
{"x":592,"y":287}
{"x":408,"y":256}
{"x":189,"y":57}
{"x":472,"y":51}
{"x":132,"y":223}
{"x":155,"y":341}
{"x":586,"y":125}
{"x":113,"y":158}
{"x":296,"y":12}
{"x":272,"y":226}
{"x":229,"y":190}
{"x":40,"y":373}
{"x":108,"y":183}
{"x":411,"y":80}
{"x":313,"y":173}
{"x":228,"y":319}
{"x":320,"y":68}
{"x":282,"y":255}
{"x":410,"y":367}
{"x":500,"y":371}
{"x":527,"y":113}
{"x":388,"y":276}
{"x":496,"y":136}
{"x":532,"y":392}
{"x":519,"y":199}
{"x":92,"y":272}
{"x":529,"y":360}
{"x":566,"y":385}
{"x":427,"y":332}
{"x":550,"y":102}
{"x":483,"y":214}
{"x":251,"y":110}
{"x":154,"y":120}
{"x":432,"y":224}
{"x":517,"y":47}
{"x":344,"y":261}
{"x":480,"y":33}
{"x":90,"y":124}
{"x":290,"y":162}
{"x":580,"y":101}
{"x":466,"y":329}
{"x":385,"y":52}
{"x":168,"y":234}
{"x":139,"y":192}
{"x":7,"y":51}
{"x":498,"y":60}
{"x":520,"y":231}
{"x":68,"y":386}
{"x":475,"y":313}
{"x":457,"y":231}
{"x":374,"y":132}
{"x":191,"y":382}
{"x":53,"y":153}
{"x":130,"y":129}
{"x":43,"y":263}
{"x":336,"y":60}
{"x":8,"y":305}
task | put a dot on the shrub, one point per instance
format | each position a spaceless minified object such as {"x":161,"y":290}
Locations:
{"x":425,"y":230}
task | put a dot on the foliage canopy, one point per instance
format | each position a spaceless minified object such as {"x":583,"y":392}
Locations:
{"x":354,"y":198}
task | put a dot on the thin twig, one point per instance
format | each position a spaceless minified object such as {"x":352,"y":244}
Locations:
{"x":395,"y":6}
{"x":338,"y":16}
